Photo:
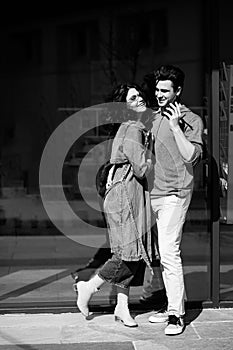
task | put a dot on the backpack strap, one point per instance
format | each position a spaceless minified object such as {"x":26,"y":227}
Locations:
{"x":111,"y":173}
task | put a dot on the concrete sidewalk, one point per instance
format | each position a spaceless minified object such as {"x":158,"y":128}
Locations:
{"x":205,"y":329}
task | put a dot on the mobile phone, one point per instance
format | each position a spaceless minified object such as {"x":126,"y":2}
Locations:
{"x":166,"y":108}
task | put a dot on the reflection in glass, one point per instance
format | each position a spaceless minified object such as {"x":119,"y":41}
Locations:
{"x":226,"y":185}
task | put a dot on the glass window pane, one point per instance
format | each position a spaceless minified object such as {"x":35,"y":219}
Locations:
{"x":196,"y":241}
{"x":226,"y":185}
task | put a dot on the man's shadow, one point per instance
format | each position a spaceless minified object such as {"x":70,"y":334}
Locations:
{"x":194,"y":309}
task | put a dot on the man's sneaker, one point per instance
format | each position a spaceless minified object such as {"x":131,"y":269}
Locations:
{"x":159,"y":317}
{"x":175,"y":325}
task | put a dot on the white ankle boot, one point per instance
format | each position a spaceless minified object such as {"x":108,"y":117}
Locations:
{"x":85,"y":291}
{"x":121,"y":312}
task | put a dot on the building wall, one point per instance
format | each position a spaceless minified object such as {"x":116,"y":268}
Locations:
{"x":48,"y":70}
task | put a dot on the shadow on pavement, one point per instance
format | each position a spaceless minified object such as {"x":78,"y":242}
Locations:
{"x":191,"y":315}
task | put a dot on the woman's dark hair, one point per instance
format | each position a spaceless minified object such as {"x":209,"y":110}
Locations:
{"x":119,"y":93}
{"x":120,"y":113}
{"x":148,"y":87}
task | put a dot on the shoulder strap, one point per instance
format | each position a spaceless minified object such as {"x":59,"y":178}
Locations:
{"x":112,"y":173}
{"x":126,"y":171}
{"x":110,"y":176}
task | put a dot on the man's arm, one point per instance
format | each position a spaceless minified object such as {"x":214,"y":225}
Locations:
{"x":186,"y":148}
{"x":190,"y":150}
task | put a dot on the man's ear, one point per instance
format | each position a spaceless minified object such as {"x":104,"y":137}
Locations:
{"x":178,"y":91}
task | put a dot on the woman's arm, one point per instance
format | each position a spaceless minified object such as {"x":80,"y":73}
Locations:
{"x":135,"y":152}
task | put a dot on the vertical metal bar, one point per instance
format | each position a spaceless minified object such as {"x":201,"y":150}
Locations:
{"x":212,"y":68}
{"x":214,"y":196}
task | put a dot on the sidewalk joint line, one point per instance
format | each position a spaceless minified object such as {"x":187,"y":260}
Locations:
{"x":221,"y":321}
{"x":220,"y":338}
{"x":196,"y":332}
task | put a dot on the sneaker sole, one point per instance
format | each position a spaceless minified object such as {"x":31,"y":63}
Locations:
{"x":159,"y":317}
{"x":173,"y":333}
{"x":158,"y":320}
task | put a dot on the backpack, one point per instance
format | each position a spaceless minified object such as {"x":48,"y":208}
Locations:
{"x":101,"y":178}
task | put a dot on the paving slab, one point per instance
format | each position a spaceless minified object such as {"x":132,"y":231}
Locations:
{"x":206,"y":329}
{"x":80,"y":346}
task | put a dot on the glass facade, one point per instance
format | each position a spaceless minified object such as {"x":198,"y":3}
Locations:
{"x":226,"y":175}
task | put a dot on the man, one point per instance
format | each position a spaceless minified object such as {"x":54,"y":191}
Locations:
{"x":178,"y":147}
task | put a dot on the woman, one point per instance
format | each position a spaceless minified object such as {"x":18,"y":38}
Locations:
{"x":126,"y":205}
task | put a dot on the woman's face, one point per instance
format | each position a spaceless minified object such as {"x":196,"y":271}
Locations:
{"x":135,"y":101}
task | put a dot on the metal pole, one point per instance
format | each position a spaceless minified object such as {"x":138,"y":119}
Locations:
{"x":212,"y":13}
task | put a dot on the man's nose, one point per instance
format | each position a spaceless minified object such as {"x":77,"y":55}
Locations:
{"x":159,"y":94}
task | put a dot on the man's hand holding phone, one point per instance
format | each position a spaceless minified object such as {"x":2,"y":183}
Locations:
{"x":172,"y":113}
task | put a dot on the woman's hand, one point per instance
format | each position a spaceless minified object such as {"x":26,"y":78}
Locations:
{"x":149,"y":144}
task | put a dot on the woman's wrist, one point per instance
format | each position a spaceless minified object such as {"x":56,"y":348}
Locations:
{"x":149,"y":166}
{"x":176,"y":128}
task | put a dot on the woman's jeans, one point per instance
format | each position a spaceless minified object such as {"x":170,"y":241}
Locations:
{"x":123,"y":273}
{"x":170,"y":213}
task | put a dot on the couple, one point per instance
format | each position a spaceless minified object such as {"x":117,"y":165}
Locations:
{"x":168,"y":151}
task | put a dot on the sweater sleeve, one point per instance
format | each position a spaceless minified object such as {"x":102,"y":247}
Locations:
{"x":195,"y":136}
{"x":136,"y":152}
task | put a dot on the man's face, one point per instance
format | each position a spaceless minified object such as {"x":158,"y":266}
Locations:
{"x":164,"y":92}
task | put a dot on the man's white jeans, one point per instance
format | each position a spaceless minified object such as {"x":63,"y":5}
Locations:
{"x":170,"y":213}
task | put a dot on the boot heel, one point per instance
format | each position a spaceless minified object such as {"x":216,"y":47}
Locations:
{"x":75,"y":288}
{"x":117,"y":319}
{"x":130,"y":322}
{"x":75,"y":276}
